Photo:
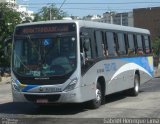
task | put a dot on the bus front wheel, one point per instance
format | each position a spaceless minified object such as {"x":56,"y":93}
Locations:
{"x":96,"y":103}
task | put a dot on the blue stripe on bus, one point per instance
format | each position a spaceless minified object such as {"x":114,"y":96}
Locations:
{"x":141,"y":61}
{"x":29,"y":87}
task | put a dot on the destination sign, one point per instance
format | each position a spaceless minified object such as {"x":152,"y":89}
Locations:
{"x":45,"y":28}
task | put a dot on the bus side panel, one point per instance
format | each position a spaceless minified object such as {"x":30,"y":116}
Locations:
{"x":144,"y":77}
{"x":115,"y":81}
{"x":148,"y":65}
{"x":118,"y":73}
{"x":144,"y":65}
{"x":88,"y":84}
{"x":119,"y":76}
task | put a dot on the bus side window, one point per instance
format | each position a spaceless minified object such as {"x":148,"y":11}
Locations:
{"x":147,"y":44}
{"x":139,"y":45}
{"x":86,"y":44}
{"x":126,"y":42}
{"x":87,"y":41}
{"x":121,"y":44}
{"x":131,"y":45}
{"x":116,"y":43}
{"x":111,"y":44}
{"x":99,"y":43}
{"x":104,"y":45}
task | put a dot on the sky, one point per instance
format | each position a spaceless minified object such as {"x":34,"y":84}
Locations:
{"x":92,"y":7}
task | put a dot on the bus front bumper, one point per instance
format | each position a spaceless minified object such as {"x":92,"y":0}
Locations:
{"x":58,"y":97}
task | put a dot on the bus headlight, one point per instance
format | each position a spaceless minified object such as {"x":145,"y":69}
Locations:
{"x":15,"y":86}
{"x":71,"y":85}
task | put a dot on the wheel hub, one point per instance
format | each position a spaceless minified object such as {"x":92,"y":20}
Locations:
{"x":98,"y":95}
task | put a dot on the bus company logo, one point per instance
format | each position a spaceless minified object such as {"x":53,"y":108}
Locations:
{"x":110,"y":67}
{"x":40,"y":89}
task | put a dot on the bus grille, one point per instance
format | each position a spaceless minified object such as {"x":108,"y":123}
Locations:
{"x":50,"y":98}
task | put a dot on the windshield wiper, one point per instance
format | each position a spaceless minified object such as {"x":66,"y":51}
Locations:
{"x":21,"y":62}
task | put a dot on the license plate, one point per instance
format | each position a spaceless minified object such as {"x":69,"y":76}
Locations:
{"x":42,"y":101}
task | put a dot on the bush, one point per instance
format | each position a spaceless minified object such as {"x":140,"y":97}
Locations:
{"x":156,"y":46}
{"x":156,"y":61}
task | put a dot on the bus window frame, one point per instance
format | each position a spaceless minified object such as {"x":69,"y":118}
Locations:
{"x":100,"y":52}
{"x":124,"y":52}
{"x":149,"y":44}
{"x":140,"y":49}
{"x":87,"y":33}
{"x":126,"y":42}
{"x":131,"y":51}
{"x":115,"y":45}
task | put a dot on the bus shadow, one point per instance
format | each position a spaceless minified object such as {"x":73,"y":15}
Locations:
{"x":63,"y":109}
{"x":32,"y":109}
{"x":16,"y":108}
{"x":116,"y":96}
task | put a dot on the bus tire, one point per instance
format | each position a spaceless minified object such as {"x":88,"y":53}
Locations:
{"x":96,"y":103}
{"x":135,"y":90}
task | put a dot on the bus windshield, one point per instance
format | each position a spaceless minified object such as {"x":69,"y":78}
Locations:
{"x":44,"y":56}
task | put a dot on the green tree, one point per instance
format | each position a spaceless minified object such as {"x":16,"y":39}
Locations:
{"x":50,"y":12}
{"x":9,"y":18}
{"x":156,"y":46}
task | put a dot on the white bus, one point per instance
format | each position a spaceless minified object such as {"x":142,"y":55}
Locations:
{"x":68,"y":61}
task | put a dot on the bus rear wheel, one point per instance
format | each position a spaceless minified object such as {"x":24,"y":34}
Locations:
{"x":135,"y":90}
{"x":96,"y":103}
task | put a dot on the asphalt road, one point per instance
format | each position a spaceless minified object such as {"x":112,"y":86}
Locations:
{"x":119,"y":105}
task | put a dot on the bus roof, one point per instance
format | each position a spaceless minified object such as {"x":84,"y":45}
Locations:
{"x":91,"y":24}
